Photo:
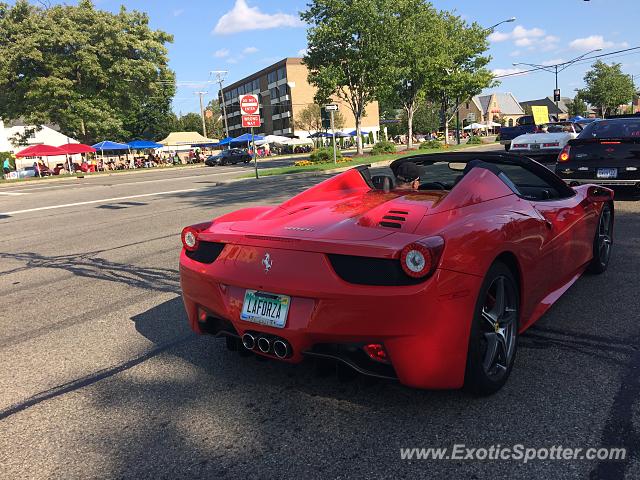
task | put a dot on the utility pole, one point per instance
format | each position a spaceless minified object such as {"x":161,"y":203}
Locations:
{"x":204,"y":125}
{"x":220,"y":75}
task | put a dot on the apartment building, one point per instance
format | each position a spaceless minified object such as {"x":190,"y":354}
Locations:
{"x":283,"y":92}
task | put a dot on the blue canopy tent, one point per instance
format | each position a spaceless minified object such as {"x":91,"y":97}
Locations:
{"x":246,"y":138}
{"x":107,"y":145}
{"x":225,"y":142}
{"x":354,"y":133}
{"x":143,"y":145}
{"x":320,"y":135}
{"x":342,"y":135}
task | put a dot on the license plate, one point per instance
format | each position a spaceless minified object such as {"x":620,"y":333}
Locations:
{"x":607,"y":173}
{"x":534,"y":146}
{"x":265,"y":308}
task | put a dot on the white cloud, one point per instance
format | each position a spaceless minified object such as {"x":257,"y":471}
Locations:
{"x":178,"y":12}
{"x":553,"y":61}
{"x":520,"y":32}
{"x":242,"y":18}
{"x":498,"y":72}
{"x":530,"y":38}
{"x":593,"y":42}
{"x":232,"y":60}
{"x":250,"y":50}
{"x":222,"y":53}
{"x":303,"y":52}
{"x":524,"y":42}
{"x":515,"y":53}
{"x":499,"y":37}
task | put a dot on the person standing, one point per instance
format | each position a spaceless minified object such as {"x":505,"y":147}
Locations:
{"x":6,"y":166}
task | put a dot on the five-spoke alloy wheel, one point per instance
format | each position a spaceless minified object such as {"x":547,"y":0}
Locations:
{"x":494,"y":332}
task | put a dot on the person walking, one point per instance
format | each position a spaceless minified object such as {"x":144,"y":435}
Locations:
{"x":6,"y":167}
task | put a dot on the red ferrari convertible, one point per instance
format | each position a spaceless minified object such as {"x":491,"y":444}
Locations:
{"x":429,"y":281}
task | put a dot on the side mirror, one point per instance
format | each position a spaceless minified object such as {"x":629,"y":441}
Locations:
{"x":599,"y":194}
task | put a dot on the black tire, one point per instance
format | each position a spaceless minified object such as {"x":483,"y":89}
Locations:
{"x":493,"y":345}
{"x":507,"y":147}
{"x":602,"y":241}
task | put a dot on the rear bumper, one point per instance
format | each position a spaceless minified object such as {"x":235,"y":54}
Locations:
{"x":600,"y":181}
{"x":424,"y":328}
{"x":545,"y":152}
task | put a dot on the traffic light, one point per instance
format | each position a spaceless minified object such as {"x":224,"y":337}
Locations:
{"x":326,"y":118}
{"x":556,"y":95}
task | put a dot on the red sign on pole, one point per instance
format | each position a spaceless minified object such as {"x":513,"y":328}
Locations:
{"x":249,"y":104}
{"x":249,"y":121}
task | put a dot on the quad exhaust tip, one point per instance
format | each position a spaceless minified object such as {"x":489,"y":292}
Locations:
{"x":281,"y":349}
{"x":249,"y":341}
{"x":264,"y":344}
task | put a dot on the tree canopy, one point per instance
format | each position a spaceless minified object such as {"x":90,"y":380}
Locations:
{"x":348,"y":51}
{"x":607,"y":87}
{"x":93,"y":73}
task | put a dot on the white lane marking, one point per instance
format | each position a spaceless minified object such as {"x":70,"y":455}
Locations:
{"x":104,"y":200}
{"x":12,"y":193}
{"x":221,"y":171}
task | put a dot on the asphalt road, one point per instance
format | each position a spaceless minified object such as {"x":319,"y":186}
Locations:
{"x":101,"y":377}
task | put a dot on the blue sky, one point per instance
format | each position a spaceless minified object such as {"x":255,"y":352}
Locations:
{"x":243,"y":36}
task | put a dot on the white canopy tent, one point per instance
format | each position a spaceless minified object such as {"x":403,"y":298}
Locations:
{"x":493,"y":124}
{"x":475,"y":126}
{"x":294,"y":142}
{"x":273,"y":140}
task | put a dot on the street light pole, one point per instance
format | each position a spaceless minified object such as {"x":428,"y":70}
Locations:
{"x":220,"y":74}
{"x":204,"y":124}
{"x":558,"y":67}
{"x":508,"y":20}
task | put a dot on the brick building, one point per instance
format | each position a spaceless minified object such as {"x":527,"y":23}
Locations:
{"x":283,"y":93}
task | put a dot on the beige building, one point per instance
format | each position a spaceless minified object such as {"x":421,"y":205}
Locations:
{"x":283,"y":92}
{"x":496,"y":107}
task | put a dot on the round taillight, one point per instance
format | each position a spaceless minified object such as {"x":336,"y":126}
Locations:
{"x":190,"y":239}
{"x":416,"y":260}
{"x":564,"y":155}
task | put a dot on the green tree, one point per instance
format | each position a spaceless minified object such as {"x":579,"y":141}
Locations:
{"x":462,"y":73}
{"x":425,"y":120}
{"x":309,"y":118}
{"x":607,"y":87}
{"x":95,"y":74}
{"x":191,"y":122}
{"x":214,"y":120}
{"x":577,"y":106}
{"x":418,"y":55}
{"x":348,"y":51}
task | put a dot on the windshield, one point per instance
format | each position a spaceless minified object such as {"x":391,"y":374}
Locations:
{"x":618,"y":128}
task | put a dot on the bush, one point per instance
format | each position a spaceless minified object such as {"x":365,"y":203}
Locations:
{"x":324,"y":155}
{"x":430,"y":145}
{"x":383,"y":147}
{"x":498,"y":138}
{"x":474,"y":141}
{"x":302,"y":163}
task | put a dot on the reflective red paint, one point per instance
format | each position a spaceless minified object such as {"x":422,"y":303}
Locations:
{"x":424,"y":327}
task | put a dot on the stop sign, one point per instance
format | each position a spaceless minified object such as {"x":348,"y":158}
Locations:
{"x":249,"y":104}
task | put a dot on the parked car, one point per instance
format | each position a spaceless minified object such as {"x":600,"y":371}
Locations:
{"x":226,"y":157}
{"x":524,"y":125}
{"x":547,"y":142}
{"x":606,"y":152}
{"x":430,"y":286}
